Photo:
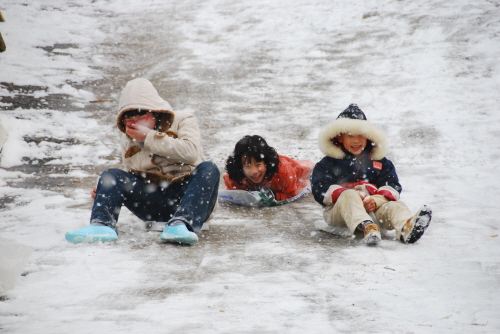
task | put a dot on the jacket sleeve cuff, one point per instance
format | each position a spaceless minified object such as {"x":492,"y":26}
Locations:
{"x":150,"y":136}
{"x":388,"y":192}
{"x":379,"y":200}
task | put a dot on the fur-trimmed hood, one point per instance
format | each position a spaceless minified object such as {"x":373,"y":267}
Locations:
{"x":352,"y":120}
{"x":141,"y":94}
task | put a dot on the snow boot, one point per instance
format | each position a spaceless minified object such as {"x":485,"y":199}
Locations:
{"x":91,"y":234}
{"x":178,"y":233}
{"x":416,"y":225}
{"x":372,"y":234}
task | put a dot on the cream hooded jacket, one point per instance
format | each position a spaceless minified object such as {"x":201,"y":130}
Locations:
{"x":172,"y":150}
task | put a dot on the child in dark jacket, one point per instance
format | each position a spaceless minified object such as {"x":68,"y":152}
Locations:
{"x":358,"y":186}
{"x":254,"y":165}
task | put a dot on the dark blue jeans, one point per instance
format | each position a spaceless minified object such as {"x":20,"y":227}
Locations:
{"x":190,"y":200}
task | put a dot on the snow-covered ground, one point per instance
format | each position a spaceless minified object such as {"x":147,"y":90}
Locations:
{"x":427,"y":72}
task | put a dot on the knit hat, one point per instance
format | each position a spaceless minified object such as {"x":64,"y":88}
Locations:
{"x":353,"y":121}
{"x":352,"y":112}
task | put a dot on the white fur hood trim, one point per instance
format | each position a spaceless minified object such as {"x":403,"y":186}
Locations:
{"x":353,"y":126}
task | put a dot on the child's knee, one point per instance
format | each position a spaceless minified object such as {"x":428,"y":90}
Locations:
{"x":349,"y":195}
{"x":393,"y":205}
{"x":209,"y":168}
{"x":109,"y":177}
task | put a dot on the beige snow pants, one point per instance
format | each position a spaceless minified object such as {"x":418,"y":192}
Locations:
{"x":349,"y":212}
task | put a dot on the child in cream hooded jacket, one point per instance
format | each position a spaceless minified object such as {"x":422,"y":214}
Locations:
{"x":172,"y":150}
{"x":164,"y":176}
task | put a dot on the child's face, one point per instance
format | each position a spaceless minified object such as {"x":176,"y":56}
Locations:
{"x":355,"y":144}
{"x":255,"y":171}
{"x":148,"y":120}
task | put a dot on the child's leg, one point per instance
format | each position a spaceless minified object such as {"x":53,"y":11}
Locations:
{"x":199,"y":196}
{"x":109,"y":197}
{"x":348,"y":211}
{"x":393,"y":215}
{"x":117,"y":187}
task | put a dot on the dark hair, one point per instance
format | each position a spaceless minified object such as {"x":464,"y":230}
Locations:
{"x":135,"y":112}
{"x":251,"y":147}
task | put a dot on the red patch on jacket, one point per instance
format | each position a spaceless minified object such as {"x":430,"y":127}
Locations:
{"x":377,"y":165}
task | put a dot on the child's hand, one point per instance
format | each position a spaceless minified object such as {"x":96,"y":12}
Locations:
{"x":93,"y":192}
{"x":137,"y":131}
{"x":369,"y":203}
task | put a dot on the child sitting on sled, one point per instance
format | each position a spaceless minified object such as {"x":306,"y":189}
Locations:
{"x":164,"y":176}
{"x":256,"y":166}
{"x":358,"y":186}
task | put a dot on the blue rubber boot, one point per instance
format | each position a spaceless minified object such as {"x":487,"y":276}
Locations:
{"x":180,"y":234}
{"x":91,"y":234}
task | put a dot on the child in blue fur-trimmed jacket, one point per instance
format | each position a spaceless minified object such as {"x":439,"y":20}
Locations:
{"x":358,"y":186}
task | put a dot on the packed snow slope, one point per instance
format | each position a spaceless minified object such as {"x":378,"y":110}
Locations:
{"x":426,"y":72}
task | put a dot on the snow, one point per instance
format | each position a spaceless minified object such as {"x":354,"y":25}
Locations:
{"x":426,"y":72}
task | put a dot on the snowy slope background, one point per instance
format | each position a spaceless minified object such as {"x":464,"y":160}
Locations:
{"x":426,"y":72}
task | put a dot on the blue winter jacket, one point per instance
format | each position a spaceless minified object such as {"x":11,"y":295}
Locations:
{"x":351,"y":171}
{"x":369,"y":172}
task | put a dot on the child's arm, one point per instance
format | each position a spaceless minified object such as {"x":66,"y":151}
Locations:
{"x":185,"y":147}
{"x":137,"y":132}
{"x":324,"y":182}
{"x":284,"y":183}
{"x":388,"y":181}
{"x":379,"y":200}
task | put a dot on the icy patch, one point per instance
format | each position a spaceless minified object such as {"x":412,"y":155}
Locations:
{"x":337,"y":230}
{"x":53,"y":136}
